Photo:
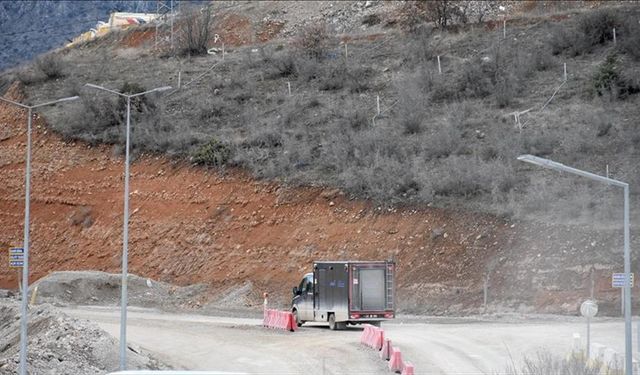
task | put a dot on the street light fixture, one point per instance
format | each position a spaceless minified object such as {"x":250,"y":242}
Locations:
{"x":545,"y":163}
{"x":125,"y":230}
{"x":25,"y":244}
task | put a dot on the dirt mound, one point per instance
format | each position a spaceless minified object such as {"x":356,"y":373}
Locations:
{"x":101,"y":288}
{"x":243,"y":295}
{"x":59,"y":344}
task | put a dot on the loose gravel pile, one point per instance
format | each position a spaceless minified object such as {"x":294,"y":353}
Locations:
{"x":59,"y":344}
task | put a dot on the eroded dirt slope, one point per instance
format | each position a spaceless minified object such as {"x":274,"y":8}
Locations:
{"x":190,"y":225}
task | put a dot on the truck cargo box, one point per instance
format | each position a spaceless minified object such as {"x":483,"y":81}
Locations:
{"x":341,"y":292}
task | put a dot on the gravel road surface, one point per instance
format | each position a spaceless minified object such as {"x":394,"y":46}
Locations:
{"x":435,"y":346}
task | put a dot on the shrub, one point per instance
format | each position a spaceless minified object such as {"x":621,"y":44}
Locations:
{"x":212,"y":109}
{"x":462,"y":177}
{"x":444,"y":140}
{"x":265,"y":139}
{"x":591,"y":29}
{"x":540,"y":144}
{"x":334,"y":78}
{"x":341,"y":76}
{"x":412,"y":16}
{"x":28,"y":77}
{"x":609,"y":80}
{"x":564,"y":39}
{"x":95,"y":120}
{"x":543,"y":60}
{"x":51,"y":66}
{"x":500,"y":75}
{"x":212,"y":153}
{"x":140,"y":104}
{"x":314,"y":40}
{"x":597,"y":27}
{"x":421,"y":48}
{"x":357,"y":118}
{"x":630,"y":38}
{"x":476,"y":80}
{"x":505,"y":89}
{"x":99,"y":119}
{"x":606,"y":77}
{"x":282,"y":66}
{"x":409,"y":110}
{"x":442,"y":12}
{"x":195,"y":33}
{"x":5,"y":82}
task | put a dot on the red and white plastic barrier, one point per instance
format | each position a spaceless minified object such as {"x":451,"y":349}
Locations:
{"x":395,"y":360}
{"x":385,"y":352}
{"x":279,"y":320}
{"x":374,"y":337}
{"x":408,"y":369}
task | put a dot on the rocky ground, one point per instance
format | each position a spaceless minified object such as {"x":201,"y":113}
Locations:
{"x":60,"y":344}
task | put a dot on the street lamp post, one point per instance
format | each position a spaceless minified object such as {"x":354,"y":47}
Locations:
{"x":125,"y":228}
{"x":25,"y":244}
{"x":627,"y":257}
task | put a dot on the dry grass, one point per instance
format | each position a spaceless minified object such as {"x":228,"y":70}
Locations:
{"x":442,"y":138}
{"x":546,"y":363}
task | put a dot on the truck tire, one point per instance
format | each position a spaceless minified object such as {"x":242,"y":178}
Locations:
{"x":332,"y":322}
{"x":299,"y":322}
{"x":376,"y":323}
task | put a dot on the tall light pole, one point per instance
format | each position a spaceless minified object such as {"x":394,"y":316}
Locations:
{"x":25,"y":268}
{"x":627,"y":257}
{"x":125,"y":228}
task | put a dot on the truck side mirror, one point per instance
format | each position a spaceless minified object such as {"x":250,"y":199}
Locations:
{"x":295,"y":291}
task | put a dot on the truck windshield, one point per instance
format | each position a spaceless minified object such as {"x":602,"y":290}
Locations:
{"x":306,"y":285}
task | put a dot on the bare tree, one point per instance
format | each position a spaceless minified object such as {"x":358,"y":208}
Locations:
{"x":195,"y":36}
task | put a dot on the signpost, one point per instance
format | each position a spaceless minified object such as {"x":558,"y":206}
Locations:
{"x":589,"y":309}
{"x":16,"y":260}
{"x":618,"y":280}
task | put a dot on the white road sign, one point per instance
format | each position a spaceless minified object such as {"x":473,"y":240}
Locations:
{"x":589,"y":308}
{"x":617,"y":280}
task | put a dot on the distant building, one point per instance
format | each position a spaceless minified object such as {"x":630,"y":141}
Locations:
{"x":119,"y":20}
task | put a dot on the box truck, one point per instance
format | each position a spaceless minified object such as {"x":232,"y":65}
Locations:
{"x":346,"y":292}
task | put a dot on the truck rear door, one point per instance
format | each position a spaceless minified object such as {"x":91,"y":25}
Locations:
{"x":372,"y":290}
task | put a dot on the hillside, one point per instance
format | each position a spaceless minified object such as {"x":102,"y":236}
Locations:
{"x":29,"y":28}
{"x":432,"y":182}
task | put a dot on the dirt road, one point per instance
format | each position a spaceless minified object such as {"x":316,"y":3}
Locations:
{"x":434,"y":346}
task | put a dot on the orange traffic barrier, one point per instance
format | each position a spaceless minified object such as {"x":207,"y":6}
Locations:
{"x":279,"y":320}
{"x":407,"y":369}
{"x":395,"y":360}
{"x":374,"y":337}
{"x":385,"y":353}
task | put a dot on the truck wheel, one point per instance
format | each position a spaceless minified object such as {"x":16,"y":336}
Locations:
{"x":299,"y":322}
{"x":376,"y":323}
{"x":332,"y":322}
